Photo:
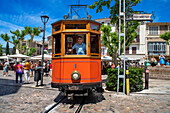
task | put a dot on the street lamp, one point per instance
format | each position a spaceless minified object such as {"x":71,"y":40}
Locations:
{"x":44,"y":19}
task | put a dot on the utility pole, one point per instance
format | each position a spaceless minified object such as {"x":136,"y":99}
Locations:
{"x":121,"y":34}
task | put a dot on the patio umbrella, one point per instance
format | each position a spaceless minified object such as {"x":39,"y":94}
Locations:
{"x":34,"y":58}
{"x":19,"y":56}
{"x":3,"y":57}
{"x":46,"y":57}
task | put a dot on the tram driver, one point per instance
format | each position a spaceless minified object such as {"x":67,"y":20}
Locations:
{"x":80,"y":47}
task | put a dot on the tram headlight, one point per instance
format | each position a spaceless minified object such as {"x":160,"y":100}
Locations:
{"x":75,"y":75}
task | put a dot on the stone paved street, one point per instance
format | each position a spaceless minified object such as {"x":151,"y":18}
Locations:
{"x":28,"y":99}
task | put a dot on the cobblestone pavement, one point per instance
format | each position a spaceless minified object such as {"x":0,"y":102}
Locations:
{"x":28,"y":99}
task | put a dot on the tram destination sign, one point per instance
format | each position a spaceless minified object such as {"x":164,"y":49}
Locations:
{"x":146,"y":17}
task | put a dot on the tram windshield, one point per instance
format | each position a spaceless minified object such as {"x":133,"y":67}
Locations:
{"x":75,"y":44}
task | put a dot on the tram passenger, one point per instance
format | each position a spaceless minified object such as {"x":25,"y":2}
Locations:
{"x":80,"y":47}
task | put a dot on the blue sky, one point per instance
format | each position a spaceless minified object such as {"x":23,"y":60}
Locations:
{"x":16,"y":14}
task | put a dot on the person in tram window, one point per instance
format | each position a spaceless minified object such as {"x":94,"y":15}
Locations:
{"x":80,"y":47}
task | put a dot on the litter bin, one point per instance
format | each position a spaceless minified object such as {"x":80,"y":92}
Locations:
{"x":37,"y":74}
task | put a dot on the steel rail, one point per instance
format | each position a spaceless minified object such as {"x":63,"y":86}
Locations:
{"x":61,"y":99}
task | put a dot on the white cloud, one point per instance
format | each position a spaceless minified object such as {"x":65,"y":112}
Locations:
{"x":10,"y":25}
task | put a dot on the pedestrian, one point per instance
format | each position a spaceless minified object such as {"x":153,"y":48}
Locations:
{"x":147,"y":63}
{"x":2,"y":63}
{"x":19,"y":71}
{"x":37,"y":73}
{"x":167,"y":63}
{"x":132,"y":64}
{"x":6,"y":67}
{"x":153,"y":62}
{"x":137,"y":64}
{"x":50,"y":72}
{"x":31,"y":69}
{"x":27,"y":66}
{"x":162,"y":60}
{"x":113,"y":66}
{"x":23,"y":64}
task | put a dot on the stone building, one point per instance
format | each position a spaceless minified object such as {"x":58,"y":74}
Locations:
{"x":37,"y":45}
{"x":156,"y":46}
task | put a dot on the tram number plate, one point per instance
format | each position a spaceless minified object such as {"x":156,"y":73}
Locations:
{"x":73,"y":88}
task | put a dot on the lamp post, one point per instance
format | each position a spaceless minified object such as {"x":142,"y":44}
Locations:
{"x":44,"y":19}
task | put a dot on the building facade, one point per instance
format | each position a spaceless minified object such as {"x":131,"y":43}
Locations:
{"x":136,"y":51}
{"x":37,"y":45}
{"x":156,"y":46}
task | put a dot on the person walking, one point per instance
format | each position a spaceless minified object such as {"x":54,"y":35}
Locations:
{"x":19,"y":71}
{"x":2,"y":64}
{"x":31,"y":69}
{"x":147,"y":62}
{"x":162,"y":60}
{"x":27,"y":66}
{"x":50,"y":71}
{"x":6,"y":67}
{"x":167,"y":63}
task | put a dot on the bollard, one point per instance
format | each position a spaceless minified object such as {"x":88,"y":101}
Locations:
{"x":127,"y":80}
{"x":147,"y":78}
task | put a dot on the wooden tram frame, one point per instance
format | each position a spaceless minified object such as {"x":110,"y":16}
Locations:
{"x":89,"y":58}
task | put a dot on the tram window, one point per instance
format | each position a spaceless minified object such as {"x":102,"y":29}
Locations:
{"x":75,"y":26}
{"x":94,"y":42}
{"x":94,"y":27}
{"x":57,"y":28}
{"x":75,"y":44}
{"x":57,"y":43}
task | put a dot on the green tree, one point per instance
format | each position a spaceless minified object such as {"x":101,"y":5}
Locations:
{"x":31,"y":51}
{"x":7,"y":49}
{"x":1,"y":50}
{"x":7,"y":38}
{"x":32,"y":32}
{"x":166,"y":36}
{"x":13,"y":50}
{"x":111,"y":40}
{"x":20,"y":37}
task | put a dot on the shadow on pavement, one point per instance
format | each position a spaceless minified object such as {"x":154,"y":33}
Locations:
{"x":92,"y":98}
{"x":8,"y":86}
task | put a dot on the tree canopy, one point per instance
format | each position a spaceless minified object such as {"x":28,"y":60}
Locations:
{"x":111,"y":39}
{"x":7,"y":49}
{"x":19,"y":36}
{"x":166,"y":36}
{"x":1,"y":50}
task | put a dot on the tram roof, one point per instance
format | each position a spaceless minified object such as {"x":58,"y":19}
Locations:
{"x":76,"y":20}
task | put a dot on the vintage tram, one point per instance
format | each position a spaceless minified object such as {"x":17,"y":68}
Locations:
{"x":76,"y":55}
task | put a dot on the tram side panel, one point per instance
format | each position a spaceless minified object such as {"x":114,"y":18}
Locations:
{"x":95,"y":70}
{"x":88,"y":68}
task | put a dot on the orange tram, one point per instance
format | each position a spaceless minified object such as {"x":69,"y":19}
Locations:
{"x":76,"y":56}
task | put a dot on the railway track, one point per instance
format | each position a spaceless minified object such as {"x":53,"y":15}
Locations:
{"x":60,"y":100}
{"x":80,"y":106}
